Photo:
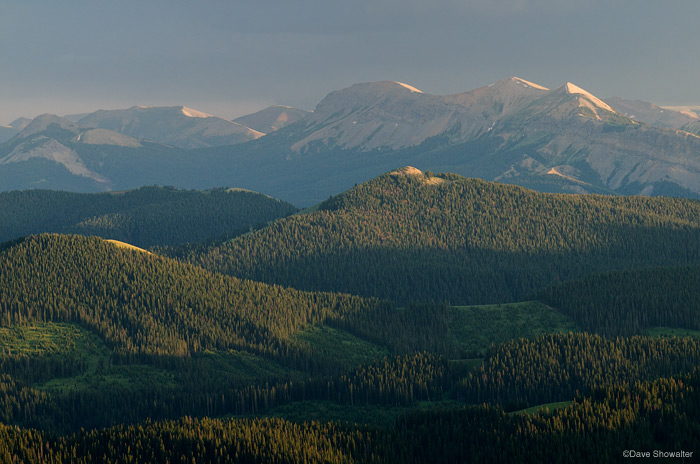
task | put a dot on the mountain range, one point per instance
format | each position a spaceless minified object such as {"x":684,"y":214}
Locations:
{"x":513,"y":131}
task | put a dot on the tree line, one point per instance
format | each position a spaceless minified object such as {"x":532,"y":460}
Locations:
{"x":146,"y":217}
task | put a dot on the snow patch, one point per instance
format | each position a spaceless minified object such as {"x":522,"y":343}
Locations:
{"x":525,"y":83}
{"x":189,"y":112}
{"x":409,"y":87}
{"x":574,"y":89}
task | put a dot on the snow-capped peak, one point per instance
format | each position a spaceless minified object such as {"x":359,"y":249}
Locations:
{"x":409,"y":87}
{"x":574,"y":89}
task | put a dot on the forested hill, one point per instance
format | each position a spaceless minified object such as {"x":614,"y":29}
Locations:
{"x":146,"y":305}
{"x":146,"y":217}
{"x":410,"y":236}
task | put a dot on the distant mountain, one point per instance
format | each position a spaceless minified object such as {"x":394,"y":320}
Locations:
{"x":178,"y":126}
{"x":42,"y":122}
{"x":566,"y":137}
{"x":272,"y":118}
{"x":12,"y":129}
{"x":20,"y":123}
{"x":656,"y":115}
{"x":393,"y":115}
{"x":46,"y":138}
{"x":55,"y":153}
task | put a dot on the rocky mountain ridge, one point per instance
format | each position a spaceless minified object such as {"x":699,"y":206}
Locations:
{"x":514,"y":131}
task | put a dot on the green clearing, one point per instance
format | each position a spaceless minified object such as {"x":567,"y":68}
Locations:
{"x":96,"y":371}
{"x":84,"y":349}
{"x":235,"y":368}
{"x":50,"y":339}
{"x":339,"y":346}
{"x":475,"y":328}
{"x":110,"y":377}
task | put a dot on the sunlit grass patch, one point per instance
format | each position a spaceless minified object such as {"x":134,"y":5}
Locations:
{"x":48,"y":338}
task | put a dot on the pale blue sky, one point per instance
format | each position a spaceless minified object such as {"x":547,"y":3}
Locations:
{"x":235,"y":57}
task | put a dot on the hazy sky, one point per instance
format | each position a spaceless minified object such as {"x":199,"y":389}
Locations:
{"x":234,"y":57}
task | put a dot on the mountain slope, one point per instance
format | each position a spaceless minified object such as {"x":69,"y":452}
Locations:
{"x":178,"y":126}
{"x":54,"y":153}
{"x":394,"y":115}
{"x":409,"y":236}
{"x":373,"y":115}
{"x":48,"y":138}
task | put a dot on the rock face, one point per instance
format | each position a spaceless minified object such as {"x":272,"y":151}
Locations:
{"x":178,"y":126}
{"x":44,"y":139}
{"x":55,"y":153}
{"x":394,"y":115}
